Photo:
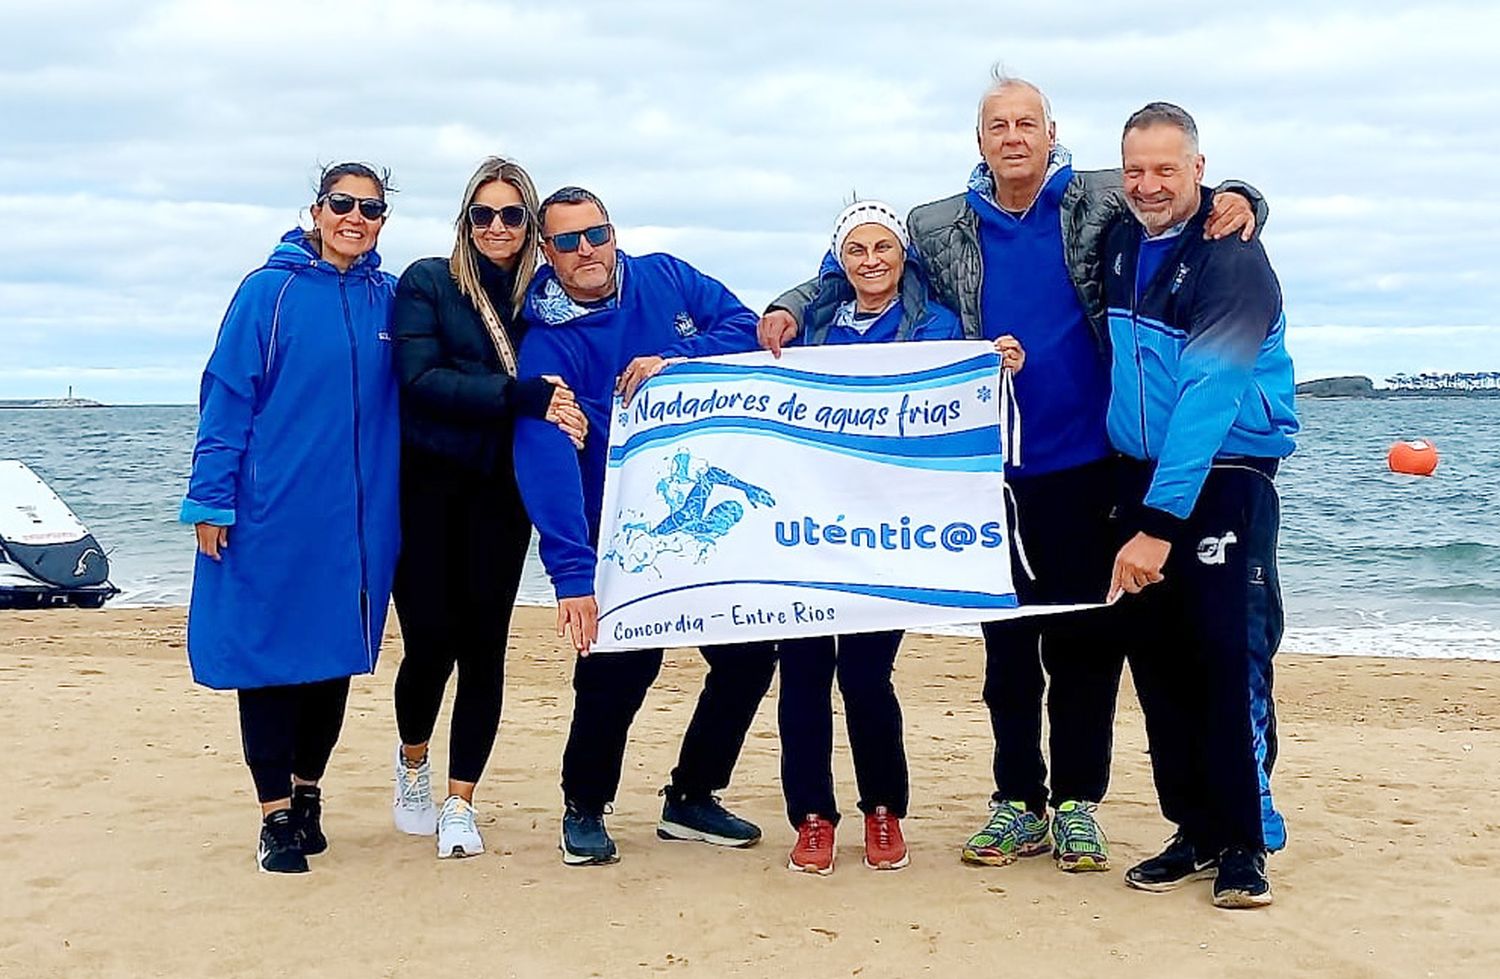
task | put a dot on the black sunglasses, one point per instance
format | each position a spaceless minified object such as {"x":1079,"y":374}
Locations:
{"x":511,"y":215}
{"x":568,"y":241}
{"x":373,"y":208}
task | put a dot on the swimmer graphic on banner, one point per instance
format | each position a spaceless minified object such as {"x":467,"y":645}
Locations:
{"x":836,"y":490}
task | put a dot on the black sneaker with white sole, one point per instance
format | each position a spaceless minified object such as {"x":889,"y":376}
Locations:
{"x":1241,"y":881}
{"x":1178,"y":864}
{"x":703,"y":820}
{"x":585,"y":840}
{"x":279,"y":851}
{"x":307,"y":814}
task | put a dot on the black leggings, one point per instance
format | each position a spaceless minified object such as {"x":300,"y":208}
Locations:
{"x":290,"y":730}
{"x":464,"y":537}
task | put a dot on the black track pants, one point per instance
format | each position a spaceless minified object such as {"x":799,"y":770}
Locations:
{"x":863,"y":664}
{"x":1063,"y":522}
{"x":1201,"y":648}
{"x":608,"y":690}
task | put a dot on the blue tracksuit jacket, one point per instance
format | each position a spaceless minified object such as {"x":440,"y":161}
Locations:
{"x":1199,"y":369}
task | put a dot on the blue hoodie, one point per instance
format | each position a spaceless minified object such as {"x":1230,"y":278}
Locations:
{"x":298,"y":452}
{"x":1064,"y":391}
{"x":662,"y":306}
{"x":914,"y":316}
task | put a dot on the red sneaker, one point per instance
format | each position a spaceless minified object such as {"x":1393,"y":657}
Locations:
{"x":885,"y":848}
{"x":813,"y":853}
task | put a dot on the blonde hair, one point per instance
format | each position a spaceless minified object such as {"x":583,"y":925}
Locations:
{"x":464,"y":264}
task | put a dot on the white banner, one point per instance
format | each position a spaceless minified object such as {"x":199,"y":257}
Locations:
{"x":838,"y":489}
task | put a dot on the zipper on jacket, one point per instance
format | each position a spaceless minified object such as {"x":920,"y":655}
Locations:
{"x":359,"y":480}
{"x":1140,"y":368}
{"x":1101,"y":337}
{"x":971,"y":234}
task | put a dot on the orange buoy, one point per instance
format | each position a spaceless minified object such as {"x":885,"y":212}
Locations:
{"x":1414,"y":457}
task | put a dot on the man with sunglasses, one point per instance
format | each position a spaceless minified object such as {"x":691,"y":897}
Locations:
{"x":603,"y":321}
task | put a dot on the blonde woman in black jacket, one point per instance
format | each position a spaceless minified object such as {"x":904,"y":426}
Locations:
{"x":464,"y":531}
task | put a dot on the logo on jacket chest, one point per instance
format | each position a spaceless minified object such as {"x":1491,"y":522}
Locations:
{"x":684,"y":325}
{"x":1214,"y":550}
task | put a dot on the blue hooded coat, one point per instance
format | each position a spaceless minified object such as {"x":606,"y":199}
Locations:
{"x":298,"y":452}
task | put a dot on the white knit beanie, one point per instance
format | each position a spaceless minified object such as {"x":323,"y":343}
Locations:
{"x":867,"y":212}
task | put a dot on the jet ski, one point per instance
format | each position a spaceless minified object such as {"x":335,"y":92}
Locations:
{"x":47,"y":556}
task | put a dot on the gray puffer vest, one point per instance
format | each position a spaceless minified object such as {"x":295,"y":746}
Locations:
{"x":946,"y":233}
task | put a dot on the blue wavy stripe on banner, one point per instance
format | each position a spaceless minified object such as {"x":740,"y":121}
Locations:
{"x":988,"y":463}
{"x":939,"y":597}
{"x":985,"y":462}
{"x":840,"y":383}
{"x":978,"y":366}
{"x":913,"y":450}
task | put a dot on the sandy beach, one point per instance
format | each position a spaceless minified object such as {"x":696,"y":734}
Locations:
{"x":127,"y":847}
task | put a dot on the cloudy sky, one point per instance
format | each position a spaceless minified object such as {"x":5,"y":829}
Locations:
{"x":151,"y":153}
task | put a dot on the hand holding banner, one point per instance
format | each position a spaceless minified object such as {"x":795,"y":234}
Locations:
{"x":838,"y":489}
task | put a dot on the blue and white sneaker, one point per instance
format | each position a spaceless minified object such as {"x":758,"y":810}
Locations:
{"x":1178,"y":864}
{"x":703,"y":820}
{"x":412,"y":807}
{"x":1241,"y":881}
{"x":585,"y":841}
{"x":457,"y":835}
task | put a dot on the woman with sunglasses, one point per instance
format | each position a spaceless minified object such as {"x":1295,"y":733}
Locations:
{"x":464,"y":530}
{"x":293,"y":496}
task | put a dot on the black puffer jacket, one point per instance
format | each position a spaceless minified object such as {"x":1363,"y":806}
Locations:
{"x":457,"y":402}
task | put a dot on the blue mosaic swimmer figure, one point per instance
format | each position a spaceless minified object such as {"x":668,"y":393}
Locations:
{"x":688,"y":514}
{"x":686,"y":494}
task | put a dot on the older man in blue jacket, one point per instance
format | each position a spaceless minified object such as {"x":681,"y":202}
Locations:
{"x":604,"y":321}
{"x":1201,"y":406}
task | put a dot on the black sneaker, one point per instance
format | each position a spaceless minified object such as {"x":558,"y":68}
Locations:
{"x":1171,"y":868}
{"x":585,"y":841}
{"x":279,"y":851}
{"x":307,"y":814}
{"x":703,"y":820}
{"x":1241,"y":881}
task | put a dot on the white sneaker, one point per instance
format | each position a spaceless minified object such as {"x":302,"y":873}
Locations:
{"x":457,"y":836}
{"x":412,"y":807}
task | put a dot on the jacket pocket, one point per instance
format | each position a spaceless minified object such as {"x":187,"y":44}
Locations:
{"x":1255,"y":412}
{"x":252,"y":493}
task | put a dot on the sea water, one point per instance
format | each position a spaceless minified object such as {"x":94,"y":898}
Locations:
{"x":1371,"y":562}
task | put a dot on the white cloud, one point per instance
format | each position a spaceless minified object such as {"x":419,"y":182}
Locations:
{"x":155,"y":151}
